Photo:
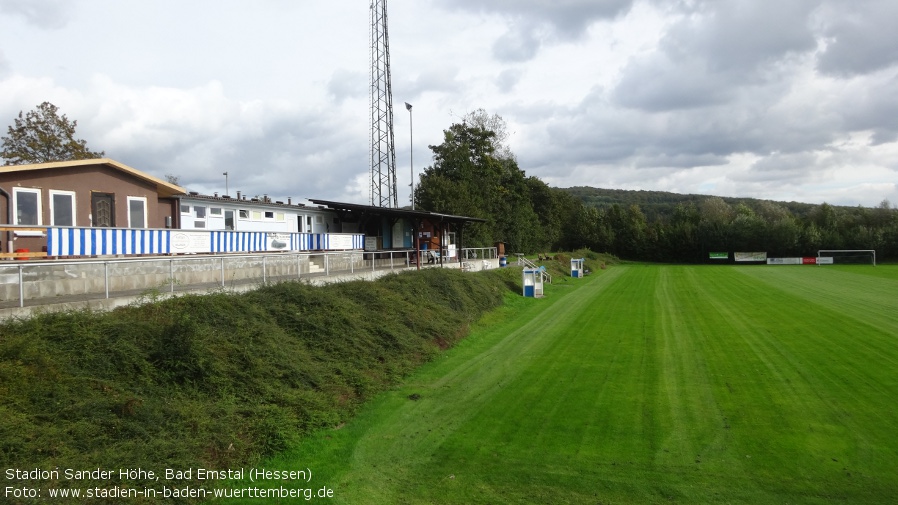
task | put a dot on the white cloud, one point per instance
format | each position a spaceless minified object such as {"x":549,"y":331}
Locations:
{"x":46,"y":14}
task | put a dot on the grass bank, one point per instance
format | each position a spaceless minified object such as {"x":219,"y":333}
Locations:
{"x":644,"y":384}
{"x":219,"y":381}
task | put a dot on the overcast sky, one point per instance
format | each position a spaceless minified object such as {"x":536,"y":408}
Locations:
{"x":781,"y":100}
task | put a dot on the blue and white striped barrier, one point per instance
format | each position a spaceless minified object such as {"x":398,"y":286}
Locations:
{"x":106,"y":241}
{"x":128,"y":241}
{"x":238,"y":241}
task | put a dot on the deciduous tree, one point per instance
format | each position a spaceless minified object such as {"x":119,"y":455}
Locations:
{"x":42,"y":136}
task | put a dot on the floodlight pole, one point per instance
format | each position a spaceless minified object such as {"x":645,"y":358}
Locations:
{"x":411,"y":152}
{"x":226,"y":183}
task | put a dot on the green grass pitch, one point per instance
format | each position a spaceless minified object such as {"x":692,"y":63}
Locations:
{"x":645,"y":384}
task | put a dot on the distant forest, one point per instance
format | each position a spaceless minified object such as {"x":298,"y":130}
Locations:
{"x":660,"y":226}
{"x":661,"y":204}
{"x":475,"y":174}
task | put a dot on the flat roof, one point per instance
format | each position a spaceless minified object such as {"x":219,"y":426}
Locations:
{"x":244,"y":201}
{"x":389,"y":211}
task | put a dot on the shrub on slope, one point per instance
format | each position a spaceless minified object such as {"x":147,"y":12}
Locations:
{"x":220,"y":380}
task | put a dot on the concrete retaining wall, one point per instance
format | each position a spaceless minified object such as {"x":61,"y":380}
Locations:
{"x":76,"y":284}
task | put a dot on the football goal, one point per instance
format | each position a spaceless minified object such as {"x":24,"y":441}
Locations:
{"x":848,"y":256}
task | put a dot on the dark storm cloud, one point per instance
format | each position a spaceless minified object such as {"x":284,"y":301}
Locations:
{"x":737,"y":79}
{"x":872,"y":104}
{"x":569,"y":17}
{"x":860,"y":37}
{"x":714,"y":50}
{"x":656,"y":83}
{"x":600,"y":132}
{"x":533,"y":22}
{"x":741,"y":36}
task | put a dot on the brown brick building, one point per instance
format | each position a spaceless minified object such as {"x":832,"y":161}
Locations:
{"x":85,"y":193}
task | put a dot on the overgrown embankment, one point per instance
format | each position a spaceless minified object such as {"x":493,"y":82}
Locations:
{"x":218,"y":381}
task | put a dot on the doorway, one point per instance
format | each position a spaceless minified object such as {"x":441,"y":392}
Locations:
{"x":102,"y":206}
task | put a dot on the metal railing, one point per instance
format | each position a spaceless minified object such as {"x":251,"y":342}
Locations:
{"x":475,"y":253}
{"x":57,"y":280}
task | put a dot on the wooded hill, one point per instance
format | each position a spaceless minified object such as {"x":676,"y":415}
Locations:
{"x":660,"y":226}
{"x":662,"y":204}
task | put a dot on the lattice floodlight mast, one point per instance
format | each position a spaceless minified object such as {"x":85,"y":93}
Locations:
{"x":383,"y":153}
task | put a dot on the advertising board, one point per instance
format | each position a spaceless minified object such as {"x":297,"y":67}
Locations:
{"x":784,"y":261}
{"x":750,"y":256}
{"x":183,"y":241}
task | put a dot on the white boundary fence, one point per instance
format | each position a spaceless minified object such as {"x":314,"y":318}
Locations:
{"x":58,"y":281}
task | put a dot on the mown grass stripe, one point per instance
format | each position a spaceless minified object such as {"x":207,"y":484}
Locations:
{"x":786,"y":375}
{"x":644,"y":384}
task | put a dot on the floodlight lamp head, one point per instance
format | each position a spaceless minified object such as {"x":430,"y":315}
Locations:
{"x":408,"y":106}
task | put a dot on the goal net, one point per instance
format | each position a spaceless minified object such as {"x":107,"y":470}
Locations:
{"x":849,"y":256}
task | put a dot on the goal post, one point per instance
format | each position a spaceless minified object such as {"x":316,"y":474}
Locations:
{"x":849,"y":256}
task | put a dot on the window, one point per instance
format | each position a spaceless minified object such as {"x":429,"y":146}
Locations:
{"x":215,"y":211}
{"x":269,"y":214}
{"x":199,"y":224}
{"x":244,"y":214}
{"x":257,"y":215}
{"x":309,"y":224}
{"x":137,"y":212}
{"x":280,"y":216}
{"x":62,"y":208}
{"x":200,"y":212}
{"x":319,"y":219}
{"x":185,"y":209}
{"x":27,"y":203}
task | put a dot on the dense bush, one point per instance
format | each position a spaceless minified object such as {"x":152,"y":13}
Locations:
{"x":220,"y":380}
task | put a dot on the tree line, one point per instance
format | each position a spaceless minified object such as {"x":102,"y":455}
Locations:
{"x":475,"y":174}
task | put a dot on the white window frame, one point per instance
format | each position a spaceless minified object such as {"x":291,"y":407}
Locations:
{"x":54,"y":192}
{"x":15,"y":205}
{"x":145,"y":211}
